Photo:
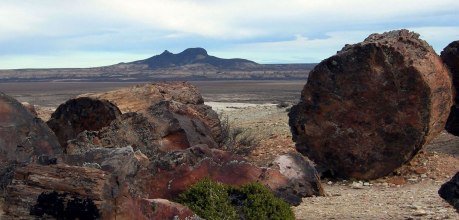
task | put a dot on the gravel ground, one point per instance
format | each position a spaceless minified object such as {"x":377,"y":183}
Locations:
{"x":411,"y":193}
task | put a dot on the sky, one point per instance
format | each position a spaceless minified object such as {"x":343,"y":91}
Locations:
{"x":91,"y":33}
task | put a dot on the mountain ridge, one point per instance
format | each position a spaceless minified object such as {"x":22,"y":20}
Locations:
{"x":192,"y":56}
{"x":189,"y":65}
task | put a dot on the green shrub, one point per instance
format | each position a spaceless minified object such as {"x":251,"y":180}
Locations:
{"x":253,"y":201}
{"x":208,"y":200}
{"x":261,"y":204}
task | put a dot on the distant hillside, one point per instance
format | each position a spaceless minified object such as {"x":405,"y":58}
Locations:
{"x":192,"y":56}
{"x":191,"y":64}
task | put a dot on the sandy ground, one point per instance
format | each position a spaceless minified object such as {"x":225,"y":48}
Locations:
{"x":411,"y":193}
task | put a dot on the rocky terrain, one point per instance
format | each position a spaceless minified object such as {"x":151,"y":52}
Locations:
{"x":409,"y":193}
{"x":191,"y":64}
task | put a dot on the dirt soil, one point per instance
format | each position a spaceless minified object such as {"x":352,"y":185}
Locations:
{"x":409,"y":193}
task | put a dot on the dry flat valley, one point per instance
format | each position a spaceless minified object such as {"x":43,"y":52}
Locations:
{"x":410,"y":193}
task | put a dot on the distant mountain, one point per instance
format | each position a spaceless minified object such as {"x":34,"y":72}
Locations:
{"x":193,"y":56}
{"x":191,"y":64}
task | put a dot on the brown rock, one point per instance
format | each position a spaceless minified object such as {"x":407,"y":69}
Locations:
{"x":450,"y":56}
{"x":301,"y":174}
{"x":81,"y":114}
{"x":24,"y":138}
{"x":89,"y":186}
{"x":371,"y":107}
{"x":421,"y":171}
{"x":59,"y":191}
{"x":177,"y":170}
{"x":140,"y":97}
{"x":397,"y":181}
{"x":164,"y":126}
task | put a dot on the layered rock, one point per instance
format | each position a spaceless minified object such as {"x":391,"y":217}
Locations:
{"x":449,"y":191}
{"x":165,"y":126}
{"x":450,"y":56}
{"x":140,"y":97}
{"x":371,"y":107}
{"x":24,"y":138}
{"x":81,"y":114}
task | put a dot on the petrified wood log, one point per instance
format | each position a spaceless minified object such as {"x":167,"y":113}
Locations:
{"x":371,"y":107}
{"x":140,"y":97}
{"x":24,"y":138}
{"x":81,"y":114}
{"x":450,"y":56}
{"x":165,"y":126}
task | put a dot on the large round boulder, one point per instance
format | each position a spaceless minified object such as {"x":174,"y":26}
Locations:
{"x":371,"y":107}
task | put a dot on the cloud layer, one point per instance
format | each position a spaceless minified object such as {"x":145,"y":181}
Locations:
{"x":49,"y":33}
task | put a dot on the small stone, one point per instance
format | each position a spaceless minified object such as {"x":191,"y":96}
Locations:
{"x":421,"y":171}
{"x":366,"y":184}
{"x":412,"y":179}
{"x":329,"y":183}
{"x":423,"y":176}
{"x":397,"y":181}
{"x":420,"y":212}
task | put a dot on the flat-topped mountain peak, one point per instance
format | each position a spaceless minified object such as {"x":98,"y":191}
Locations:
{"x":192,"y":56}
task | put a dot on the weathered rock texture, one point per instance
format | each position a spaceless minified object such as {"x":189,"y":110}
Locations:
{"x":80,"y":114}
{"x":24,"y":138}
{"x":165,"y":126}
{"x":450,"y":192}
{"x":139,"y":98}
{"x":371,"y":107}
{"x":450,"y":56}
{"x":304,"y":179}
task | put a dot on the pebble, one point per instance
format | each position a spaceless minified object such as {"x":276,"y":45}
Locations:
{"x":329,"y":182}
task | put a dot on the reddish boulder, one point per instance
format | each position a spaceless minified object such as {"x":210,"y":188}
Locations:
{"x":450,"y":56}
{"x":140,"y":97}
{"x":24,"y":138}
{"x":371,"y":107}
{"x":177,"y":170}
{"x":81,"y":114}
{"x":165,"y":126}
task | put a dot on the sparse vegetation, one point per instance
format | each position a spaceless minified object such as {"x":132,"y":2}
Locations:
{"x":237,"y":140}
{"x":253,"y":201}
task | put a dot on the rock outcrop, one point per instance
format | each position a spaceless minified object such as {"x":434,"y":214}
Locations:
{"x":449,"y":191}
{"x":81,"y":114}
{"x":165,"y":126}
{"x":371,"y":107}
{"x":139,"y":98}
{"x":118,"y":169}
{"x":24,"y":138}
{"x":450,"y":56}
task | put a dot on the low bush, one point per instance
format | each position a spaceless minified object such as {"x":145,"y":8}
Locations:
{"x":217,"y":201}
{"x":237,"y":140}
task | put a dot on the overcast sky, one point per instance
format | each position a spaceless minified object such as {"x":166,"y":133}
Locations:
{"x":90,"y":33}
